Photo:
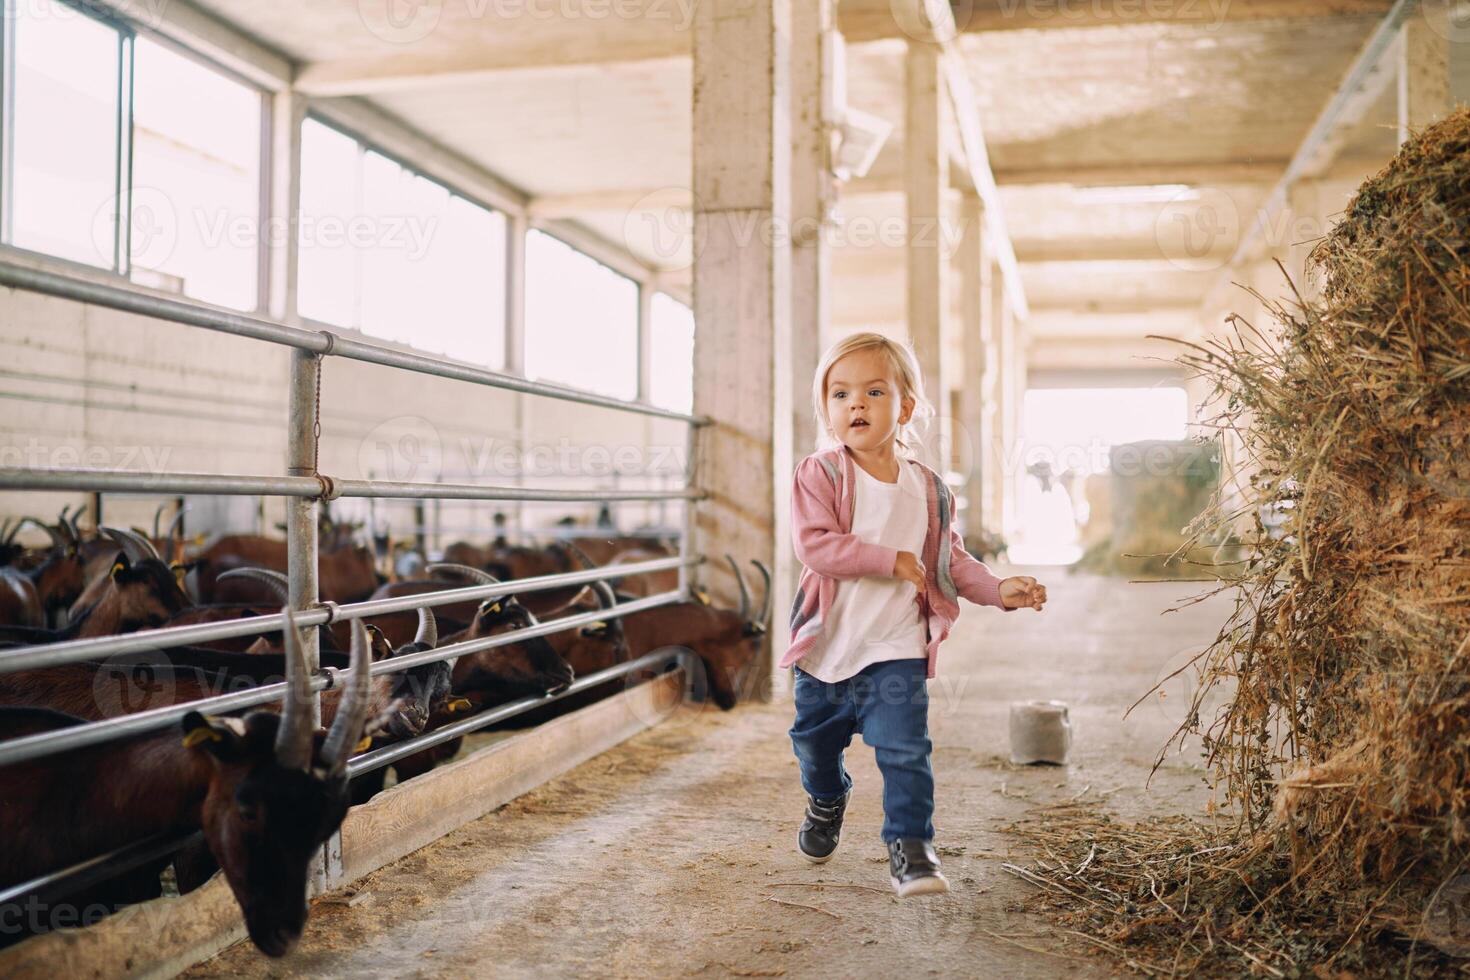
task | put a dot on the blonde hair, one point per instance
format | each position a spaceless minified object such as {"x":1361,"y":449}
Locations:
{"x":910,"y":381}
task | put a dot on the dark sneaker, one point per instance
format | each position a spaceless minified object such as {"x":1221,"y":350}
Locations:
{"x":914,"y":868}
{"x":821,"y":828}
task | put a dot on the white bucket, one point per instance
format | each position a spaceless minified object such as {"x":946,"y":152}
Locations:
{"x":1040,"y":732}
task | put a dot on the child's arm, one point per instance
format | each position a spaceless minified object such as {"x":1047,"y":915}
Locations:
{"x":972,"y":577}
{"x":819,"y":544}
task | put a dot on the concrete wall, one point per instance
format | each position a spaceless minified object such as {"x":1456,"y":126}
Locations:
{"x":85,"y":386}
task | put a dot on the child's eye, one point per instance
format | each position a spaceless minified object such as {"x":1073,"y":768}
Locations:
{"x":876,"y":391}
{"x":838,"y":394}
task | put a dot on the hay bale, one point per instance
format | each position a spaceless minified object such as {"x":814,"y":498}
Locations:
{"x":1345,"y":749}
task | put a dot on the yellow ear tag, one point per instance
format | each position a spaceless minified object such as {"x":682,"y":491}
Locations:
{"x":458,"y":704}
{"x":200,"y":735}
{"x":601,"y":624}
{"x":364,"y":745}
{"x":495,"y":607}
{"x":117,"y":566}
{"x":702,"y":596}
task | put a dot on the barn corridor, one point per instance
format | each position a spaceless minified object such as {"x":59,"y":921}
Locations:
{"x":673,"y":854}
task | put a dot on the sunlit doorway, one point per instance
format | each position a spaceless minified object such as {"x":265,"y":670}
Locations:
{"x":1067,"y":434}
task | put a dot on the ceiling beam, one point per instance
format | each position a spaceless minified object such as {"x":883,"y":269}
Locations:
{"x":475,"y":64}
{"x":478,"y":58}
{"x":1366,"y":79}
{"x":873,"y":20}
{"x":966,"y":108}
{"x":206,"y":34}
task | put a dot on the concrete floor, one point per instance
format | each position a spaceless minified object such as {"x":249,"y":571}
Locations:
{"x":673,"y":855}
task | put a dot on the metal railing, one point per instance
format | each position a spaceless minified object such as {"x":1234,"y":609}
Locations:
{"x":304,"y":487}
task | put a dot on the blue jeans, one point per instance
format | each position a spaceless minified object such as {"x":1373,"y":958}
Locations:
{"x":888,"y":702}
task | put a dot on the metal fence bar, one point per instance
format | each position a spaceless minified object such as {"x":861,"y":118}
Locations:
{"x":69,"y":880}
{"x":313,"y":341}
{"x":114,"y":481}
{"x":390,"y":754}
{"x":93,"y":733}
{"x":393,"y":665}
{"x":73,"y":651}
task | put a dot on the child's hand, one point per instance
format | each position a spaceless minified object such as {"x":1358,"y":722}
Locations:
{"x":910,"y":569}
{"x":1022,"y":590}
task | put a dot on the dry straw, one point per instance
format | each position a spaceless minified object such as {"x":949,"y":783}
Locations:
{"x":1343,"y":743}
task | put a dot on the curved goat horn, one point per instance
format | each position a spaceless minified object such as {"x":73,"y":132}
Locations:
{"x":68,"y":532}
{"x":128,"y":542}
{"x":606,"y":598}
{"x":744,"y":592}
{"x":582,"y":556}
{"x":428,"y":633}
{"x":144,"y":544}
{"x":765,"y":613}
{"x":352,"y":711}
{"x":177,"y":524}
{"x":477,"y":575}
{"x":277,"y":581}
{"x":293,"y":736}
{"x":157,"y":516}
{"x":57,"y":541}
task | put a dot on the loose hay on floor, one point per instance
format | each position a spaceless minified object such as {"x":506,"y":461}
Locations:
{"x":1342,"y":752}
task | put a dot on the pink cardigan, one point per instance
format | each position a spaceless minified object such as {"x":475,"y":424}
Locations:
{"x":821,"y":523}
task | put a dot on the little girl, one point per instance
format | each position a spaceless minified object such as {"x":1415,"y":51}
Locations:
{"x":878,"y":593}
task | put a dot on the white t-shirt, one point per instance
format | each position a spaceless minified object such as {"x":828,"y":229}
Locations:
{"x":873,"y":618}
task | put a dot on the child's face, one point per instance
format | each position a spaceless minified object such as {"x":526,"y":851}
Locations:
{"x":865,"y":402}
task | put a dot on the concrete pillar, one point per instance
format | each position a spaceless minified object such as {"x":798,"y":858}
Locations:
{"x":926,"y":177}
{"x":813,"y":193}
{"x":1424,"y":68}
{"x":515,"y":354}
{"x":1013,"y":384}
{"x":994,"y":421}
{"x":742,"y":278}
{"x":288,"y":110}
{"x":976,"y":310}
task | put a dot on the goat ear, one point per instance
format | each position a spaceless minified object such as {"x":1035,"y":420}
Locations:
{"x":216,"y":736}
{"x":120,"y":565}
{"x":598,"y":629}
{"x":378,"y":646}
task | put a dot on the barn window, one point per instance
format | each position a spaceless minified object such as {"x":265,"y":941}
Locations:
{"x":396,"y":255}
{"x":196,"y":203}
{"x":581,"y":320}
{"x":671,"y":361}
{"x":127,"y":155}
{"x":64,"y":112}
